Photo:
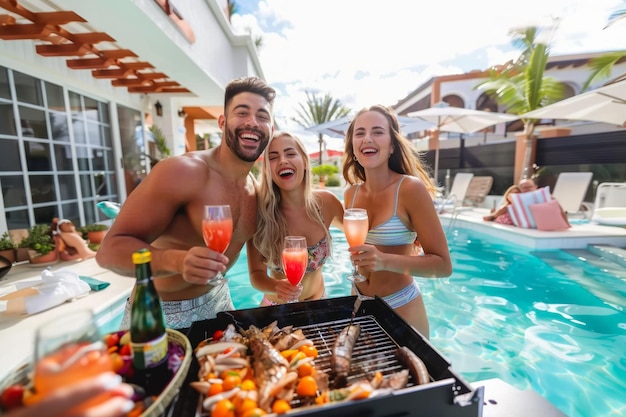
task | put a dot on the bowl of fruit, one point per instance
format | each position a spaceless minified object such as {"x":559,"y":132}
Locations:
{"x":16,"y":390}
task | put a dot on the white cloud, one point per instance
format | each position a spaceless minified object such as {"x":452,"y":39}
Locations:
{"x":377,"y":52}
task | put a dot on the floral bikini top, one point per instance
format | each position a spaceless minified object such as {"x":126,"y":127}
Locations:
{"x":318,"y":254}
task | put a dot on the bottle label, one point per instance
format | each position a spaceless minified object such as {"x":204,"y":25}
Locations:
{"x":150,"y":354}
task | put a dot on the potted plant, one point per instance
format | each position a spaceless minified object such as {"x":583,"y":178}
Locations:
{"x":41,"y":247}
{"x":95,"y":232}
{"x":7,"y":247}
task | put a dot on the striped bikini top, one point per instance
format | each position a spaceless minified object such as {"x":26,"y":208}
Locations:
{"x":392,"y":232}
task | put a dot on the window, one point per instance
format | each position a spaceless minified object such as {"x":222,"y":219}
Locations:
{"x":67,"y":148}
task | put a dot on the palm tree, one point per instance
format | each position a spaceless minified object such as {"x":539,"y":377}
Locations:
{"x":232,"y":8}
{"x":601,"y":66}
{"x":317,"y":111}
{"x":522,"y":87}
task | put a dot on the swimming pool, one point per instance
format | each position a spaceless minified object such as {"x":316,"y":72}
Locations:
{"x":509,"y":313}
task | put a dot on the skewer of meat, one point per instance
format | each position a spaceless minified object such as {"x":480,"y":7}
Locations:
{"x":342,"y":354}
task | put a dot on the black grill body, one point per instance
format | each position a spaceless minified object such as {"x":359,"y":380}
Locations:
{"x":382,"y":331}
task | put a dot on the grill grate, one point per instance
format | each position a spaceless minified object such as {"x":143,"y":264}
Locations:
{"x":374,"y":350}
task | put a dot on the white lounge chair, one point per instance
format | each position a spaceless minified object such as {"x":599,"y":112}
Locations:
{"x":609,"y":207}
{"x":570,"y":190}
{"x":478,"y":189}
{"x":457,"y":193}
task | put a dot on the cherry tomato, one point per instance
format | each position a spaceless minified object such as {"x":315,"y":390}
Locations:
{"x":248,"y":385}
{"x":215,"y":389}
{"x":281,"y":406}
{"x":12,"y":397}
{"x":223,"y":408}
{"x":307,"y":387}
{"x":245,"y":405}
{"x":113,"y":339}
{"x":255,"y":412}
{"x":125,"y":350}
{"x":231,"y":381}
{"x":306,"y":369}
{"x":309,"y":351}
{"x":218,"y":334}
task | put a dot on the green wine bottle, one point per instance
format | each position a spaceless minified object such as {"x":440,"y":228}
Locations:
{"x":148,"y":337}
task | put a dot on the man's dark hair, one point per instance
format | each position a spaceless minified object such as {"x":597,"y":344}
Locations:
{"x":250,"y":85}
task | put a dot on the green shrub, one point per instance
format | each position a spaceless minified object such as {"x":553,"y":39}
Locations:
{"x":333,"y":181}
{"x":325,"y":170}
{"x":6,"y":242}
{"x":38,"y":239}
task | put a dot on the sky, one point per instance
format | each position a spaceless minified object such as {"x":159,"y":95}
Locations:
{"x":365,"y":52}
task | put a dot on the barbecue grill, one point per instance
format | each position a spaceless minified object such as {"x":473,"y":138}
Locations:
{"x":382,"y":332}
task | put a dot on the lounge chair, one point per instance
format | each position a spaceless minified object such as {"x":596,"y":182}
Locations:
{"x":570,"y":190}
{"x":478,"y":189}
{"x":609,"y":207}
{"x":456,"y":196}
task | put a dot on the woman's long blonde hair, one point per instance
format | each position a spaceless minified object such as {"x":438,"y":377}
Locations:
{"x":271,"y":224}
{"x":404,"y":160}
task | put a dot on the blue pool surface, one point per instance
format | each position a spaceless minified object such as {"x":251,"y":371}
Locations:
{"x":507,"y":312}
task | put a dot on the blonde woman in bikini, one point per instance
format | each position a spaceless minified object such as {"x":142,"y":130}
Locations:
{"x":389,"y":181}
{"x":289,"y":206}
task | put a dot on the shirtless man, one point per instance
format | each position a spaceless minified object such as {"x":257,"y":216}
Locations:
{"x":164,"y":213}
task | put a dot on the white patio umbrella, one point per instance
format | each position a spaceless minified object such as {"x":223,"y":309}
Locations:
{"x":337,"y":128}
{"x":459,"y":120}
{"x":605,"y":104}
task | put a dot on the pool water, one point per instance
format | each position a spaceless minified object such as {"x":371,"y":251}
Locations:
{"x":507,"y":313}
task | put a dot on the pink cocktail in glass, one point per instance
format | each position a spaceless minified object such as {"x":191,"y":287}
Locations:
{"x":295,"y":257}
{"x":355,"y":227}
{"x":217,"y":231}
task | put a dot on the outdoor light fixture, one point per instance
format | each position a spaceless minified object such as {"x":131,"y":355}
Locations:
{"x":159,"y":108}
{"x":181,"y":113}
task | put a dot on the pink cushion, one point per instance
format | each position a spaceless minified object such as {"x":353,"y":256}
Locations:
{"x":519,"y":211}
{"x":549,"y":216}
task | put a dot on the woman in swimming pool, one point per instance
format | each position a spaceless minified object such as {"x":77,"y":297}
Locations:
{"x":289,"y":206}
{"x":388,"y":180}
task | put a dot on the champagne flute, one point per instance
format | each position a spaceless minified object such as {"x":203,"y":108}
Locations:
{"x":295,"y":257}
{"x":217,"y":230}
{"x":69,"y":349}
{"x":355,"y":226}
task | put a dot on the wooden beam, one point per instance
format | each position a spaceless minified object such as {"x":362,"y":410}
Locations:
{"x":91,"y":37}
{"x":162,"y":84}
{"x":56,"y":18}
{"x":129,"y":82}
{"x":151,"y":75}
{"x":64,"y":49}
{"x":111,"y":73}
{"x":136,"y":65}
{"x":117,"y":53}
{"x":25,"y":31}
{"x":90,"y":63}
{"x":6,"y":19}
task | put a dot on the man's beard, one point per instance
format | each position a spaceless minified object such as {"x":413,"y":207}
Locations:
{"x":235,"y":145}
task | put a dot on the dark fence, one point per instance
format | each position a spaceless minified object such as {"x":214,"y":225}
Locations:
{"x":604,"y":154}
